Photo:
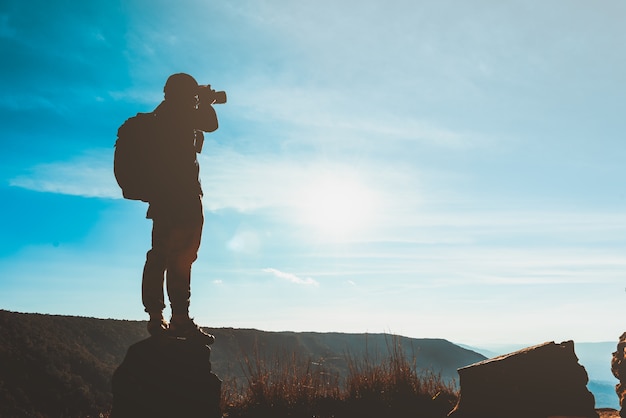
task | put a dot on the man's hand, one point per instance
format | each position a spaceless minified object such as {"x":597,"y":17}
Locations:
{"x":206,"y":94}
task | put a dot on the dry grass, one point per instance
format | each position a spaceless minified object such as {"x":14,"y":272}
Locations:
{"x":608,"y":413}
{"x":286,"y":385}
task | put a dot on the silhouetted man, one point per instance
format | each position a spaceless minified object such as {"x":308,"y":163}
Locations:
{"x":176,"y":205}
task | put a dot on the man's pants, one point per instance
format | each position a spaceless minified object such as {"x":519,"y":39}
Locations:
{"x":175,"y":244}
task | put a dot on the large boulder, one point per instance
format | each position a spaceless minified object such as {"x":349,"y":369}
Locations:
{"x":166,"y":377}
{"x":536,"y":382}
{"x":618,"y":367}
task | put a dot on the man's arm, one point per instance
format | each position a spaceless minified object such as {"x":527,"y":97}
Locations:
{"x":205,"y":117}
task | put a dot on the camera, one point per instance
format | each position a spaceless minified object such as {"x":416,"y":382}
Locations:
{"x":210,"y":95}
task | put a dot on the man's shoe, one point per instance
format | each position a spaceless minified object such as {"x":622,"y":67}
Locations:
{"x":157,"y":326}
{"x":189,"y":330}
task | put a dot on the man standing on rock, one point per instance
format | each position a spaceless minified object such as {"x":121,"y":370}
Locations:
{"x":176,"y":205}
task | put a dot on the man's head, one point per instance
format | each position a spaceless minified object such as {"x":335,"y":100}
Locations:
{"x":181,"y":88}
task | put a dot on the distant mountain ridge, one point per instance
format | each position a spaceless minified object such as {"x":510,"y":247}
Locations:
{"x":61,"y":366}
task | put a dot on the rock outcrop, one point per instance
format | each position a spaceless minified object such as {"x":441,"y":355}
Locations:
{"x":162,"y":377}
{"x":536,"y":382}
{"x":618,"y":367}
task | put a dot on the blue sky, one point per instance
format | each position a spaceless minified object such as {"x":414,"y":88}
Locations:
{"x":449,"y":169}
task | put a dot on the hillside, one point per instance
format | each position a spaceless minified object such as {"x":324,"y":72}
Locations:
{"x":333,"y":349}
{"x":61,"y":366}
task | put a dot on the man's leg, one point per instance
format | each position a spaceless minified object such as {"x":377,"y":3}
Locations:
{"x":184,"y":245}
{"x":185,"y":237}
{"x":153,"y":276}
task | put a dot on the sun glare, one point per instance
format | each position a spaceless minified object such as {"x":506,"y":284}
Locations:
{"x":337,"y":207}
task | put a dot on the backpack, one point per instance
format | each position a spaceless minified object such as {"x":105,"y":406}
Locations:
{"x":135,"y":161}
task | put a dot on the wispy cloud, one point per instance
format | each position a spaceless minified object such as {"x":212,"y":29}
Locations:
{"x":291,"y":278}
{"x":232,"y":180}
{"x":89,"y":175}
{"x":276,"y":186}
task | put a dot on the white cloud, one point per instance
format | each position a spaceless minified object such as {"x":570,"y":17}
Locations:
{"x":89,"y":175}
{"x":291,"y":278}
